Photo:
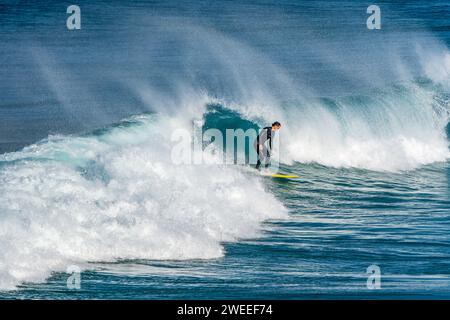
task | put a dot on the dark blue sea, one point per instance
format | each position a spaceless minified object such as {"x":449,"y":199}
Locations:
{"x":94,"y":206}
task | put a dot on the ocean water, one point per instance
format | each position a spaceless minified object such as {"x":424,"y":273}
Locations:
{"x":88,"y":181}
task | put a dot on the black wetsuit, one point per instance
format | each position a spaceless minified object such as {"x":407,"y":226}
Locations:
{"x":265,"y":135}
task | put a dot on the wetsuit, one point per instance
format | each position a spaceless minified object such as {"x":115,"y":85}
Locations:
{"x":265,"y":135}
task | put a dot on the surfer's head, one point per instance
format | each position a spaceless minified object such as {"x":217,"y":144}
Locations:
{"x":276,"y":126}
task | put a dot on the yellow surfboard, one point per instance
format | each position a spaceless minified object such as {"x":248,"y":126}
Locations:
{"x":281,"y":175}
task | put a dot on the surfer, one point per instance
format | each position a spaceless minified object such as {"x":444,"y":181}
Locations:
{"x":263,"y":151}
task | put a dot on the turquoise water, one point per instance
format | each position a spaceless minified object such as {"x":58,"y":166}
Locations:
{"x":87,"y":178}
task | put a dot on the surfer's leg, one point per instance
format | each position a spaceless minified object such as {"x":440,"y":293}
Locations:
{"x":258,"y":162}
{"x":267,"y":158}
{"x":262,"y":157}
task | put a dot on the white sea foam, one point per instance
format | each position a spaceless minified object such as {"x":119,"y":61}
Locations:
{"x":69,"y":200}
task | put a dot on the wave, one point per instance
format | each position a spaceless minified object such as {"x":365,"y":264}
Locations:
{"x":395,"y":121}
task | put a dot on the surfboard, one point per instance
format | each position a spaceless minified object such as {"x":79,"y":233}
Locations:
{"x":281,"y":175}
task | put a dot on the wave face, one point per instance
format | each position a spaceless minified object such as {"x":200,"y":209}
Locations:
{"x":116,"y":194}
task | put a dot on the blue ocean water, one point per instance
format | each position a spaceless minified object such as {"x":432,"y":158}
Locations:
{"x":87,"y":180}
